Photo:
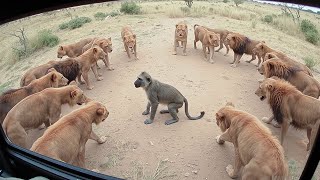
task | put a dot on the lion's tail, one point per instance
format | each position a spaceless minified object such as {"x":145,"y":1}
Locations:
{"x":194,"y":27}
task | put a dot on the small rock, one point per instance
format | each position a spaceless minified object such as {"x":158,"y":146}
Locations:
{"x":187,"y":174}
{"x":166,"y":160}
{"x":195,"y":172}
{"x":151,"y":143}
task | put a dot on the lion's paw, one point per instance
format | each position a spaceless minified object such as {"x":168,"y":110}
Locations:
{"x":265,"y":120}
{"x":219,"y":141}
{"x":230,"y":171}
{"x":102,"y":139}
{"x":233,"y":65}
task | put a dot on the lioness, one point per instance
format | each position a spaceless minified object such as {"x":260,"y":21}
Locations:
{"x":69,"y":68}
{"x":240,"y":45}
{"x":223,"y":35}
{"x":106,"y":45}
{"x":129,"y":41}
{"x":72,"y":50}
{"x":290,"y":106}
{"x":36,"y":109}
{"x":208,"y":39}
{"x":10,"y":98}
{"x":255,"y":147}
{"x":290,"y":62}
{"x":180,"y":35}
{"x":88,"y":60}
{"x":66,"y":139}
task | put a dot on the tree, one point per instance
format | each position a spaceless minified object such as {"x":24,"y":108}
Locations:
{"x":189,"y":3}
{"x":237,"y":2}
{"x":294,"y":13}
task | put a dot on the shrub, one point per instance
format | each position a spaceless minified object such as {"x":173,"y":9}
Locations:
{"x":130,"y":8}
{"x":75,"y":23}
{"x":114,"y":13}
{"x":237,"y":2}
{"x":310,"y":31}
{"x":44,"y":38}
{"x":100,"y":16}
{"x":189,"y":3}
{"x":225,"y":1}
{"x":312,"y":37}
{"x":268,"y":19}
{"x":185,"y":10}
{"x":310,"y":62}
{"x":307,"y":25}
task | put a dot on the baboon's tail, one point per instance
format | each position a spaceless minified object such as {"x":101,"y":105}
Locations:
{"x":187,"y":111}
{"x":194,"y":27}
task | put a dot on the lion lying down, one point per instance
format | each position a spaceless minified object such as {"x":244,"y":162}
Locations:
{"x":66,"y":139}
{"x":36,"y":109}
{"x":255,"y":148}
{"x":12,"y":97}
{"x":290,"y":106}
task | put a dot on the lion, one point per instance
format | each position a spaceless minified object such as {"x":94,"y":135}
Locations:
{"x":255,"y":147}
{"x":208,"y":39}
{"x":36,"y":109}
{"x":289,"y":61}
{"x":88,"y":60}
{"x":240,"y":45}
{"x":290,"y":106}
{"x":223,"y":35}
{"x":106,"y":45}
{"x":10,"y":98}
{"x":72,"y":50}
{"x":66,"y":139}
{"x":69,"y":68}
{"x":129,"y":41}
{"x":180,"y":35}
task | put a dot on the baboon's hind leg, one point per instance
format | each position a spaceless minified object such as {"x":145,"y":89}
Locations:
{"x":164,"y":111}
{"x":172,"y":108}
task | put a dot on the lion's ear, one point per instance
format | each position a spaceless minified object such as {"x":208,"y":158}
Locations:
{"x":220,"y":115}
{"x":100,"y":111}
{"x":211,"y":36}
{"x":73,"y":93}
{"x":100,"y":44}
{"x":269,"y":86}
{"x":134,"y":36}
{"x":95,"y":50}
{"x":124,"y":38}
{"x":109,"y":38}
{"x":52,"y":70}
{"x":260,"y":81}
{"x":186,"y":26}
{"x":54,"y":77}
{"x":61,"y":47}
{"x":263,"y":41}
{"x":230,"y":104}
{"x":176,"y":25}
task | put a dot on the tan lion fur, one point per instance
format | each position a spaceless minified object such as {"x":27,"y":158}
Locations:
{"x":240,"y":45}
{"x":10,"y":98}
{"x":180,"y":35}
{"x":36,"y":109}
{"x":208,"y":39}
{"x":290,"y":106}
{"x":89,"y":60}
{"x":255,"y":147}
{"x":74,"y":49}
{"x":106,"y":45}
{"x":223,"y":35}
{"x":289,"y":61}
{"x":66,"y":139}
{"x":129,"y":41}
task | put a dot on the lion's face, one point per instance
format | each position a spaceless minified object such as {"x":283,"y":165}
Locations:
{"x":261,"y":68}
{"x":259,"y":49}
{"x":181,"y":30}
{"x":61,"y":52}
{"x":106,"y":45}
{"x":214,"y":40}
{"x":102,"y":114}
{"x":57,"y":79}
{"x":98,"y":52}
{"x":265,"y":86}
{"x":229,"y":40}
{"x":221,"y":116}
{"x":77,"y":96}
{"x":130,"y":42}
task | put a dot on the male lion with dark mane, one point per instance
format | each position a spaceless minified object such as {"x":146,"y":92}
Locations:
{"x":289,"y":62}
{"x":240,"y":45}
{"x":298,"y":78}
{"x":180,"y":35}
{"x":290,"y":106}
{"x":255,"y":147}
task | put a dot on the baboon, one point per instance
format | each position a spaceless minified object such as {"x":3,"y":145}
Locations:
{"x":158,"y":92}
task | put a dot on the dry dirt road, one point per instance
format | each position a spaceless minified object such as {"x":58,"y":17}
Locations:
{"x":187,"y":149}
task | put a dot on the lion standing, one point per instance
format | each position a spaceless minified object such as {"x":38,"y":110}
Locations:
{"x":180,"y":35}
{"x":223,"y":35}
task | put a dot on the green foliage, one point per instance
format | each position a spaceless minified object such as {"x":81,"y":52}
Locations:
{"x":310,"y":31}
{"x":268,"y":19}
{"x":100,"y":16}
{"x":44,"y":38}
{"x":75,"y":23}
{"x":225,"y":1}
{"x":130,"y":8}
{"x":189,"y":3}
{"x":237,"y":2}
{"x":185,"y":10}
{"x":114,"y":13}
{"x":310,"y":62}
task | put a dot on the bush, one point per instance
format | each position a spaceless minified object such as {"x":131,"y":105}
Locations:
{"x":44,"y":38}
{"x":225,"y":1}
{"x":312,"y":37}
{"x":237,"y":2}
{"x":268,"y":19}
{"x":114,"y":13}
{"x":189,"y":3}
{"x":185,"y":10}
{"x":130,"y":8}
{"x":306,"y":25}
{"x":75,"y":23}
{"x":310,"y":62}
{"x":310,"y":31}
{"x":100,"y":16}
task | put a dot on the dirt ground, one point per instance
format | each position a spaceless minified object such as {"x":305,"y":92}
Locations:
{"x":184,"y":150}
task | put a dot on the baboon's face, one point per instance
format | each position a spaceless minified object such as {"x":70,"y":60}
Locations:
{"x":143,"y":80}
{"x":61,"y":52}
{"x":181,"y":30}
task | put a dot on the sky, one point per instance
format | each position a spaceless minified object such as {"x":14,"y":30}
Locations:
{"x":290,"y":5}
